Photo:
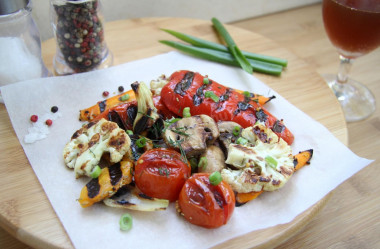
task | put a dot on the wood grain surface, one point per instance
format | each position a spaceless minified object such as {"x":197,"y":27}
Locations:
{"x":350,"y":218}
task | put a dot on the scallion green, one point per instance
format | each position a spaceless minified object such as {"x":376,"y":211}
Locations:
{"x":247,"y":94}
{"x":241,"y":141}
{"x":271,"y":161}
{"x":95,"y":173}
{"x":236,"y":131}
{"x":141,"y":142}
{"x":215,"y":178}
{"x":125,"y":97}
{"x":211,"y":95}
{"x":186,"y":112}
{"x":125,"y":222}
{"x":202,"y":162}
{"x":129,"y":132}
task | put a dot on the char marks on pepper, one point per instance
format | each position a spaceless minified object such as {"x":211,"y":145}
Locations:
{"x":93,"y":188}
{"x":278,"y":127}
{"x":102,"y":105}
{"x":184,"y":84}
{"x":261,"y":115}
{"x":115,"y":173}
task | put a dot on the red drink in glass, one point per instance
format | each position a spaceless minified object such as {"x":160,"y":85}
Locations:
{"x":353,"y":26}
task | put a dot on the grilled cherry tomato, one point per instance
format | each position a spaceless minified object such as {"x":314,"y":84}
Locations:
{"x":161,"y":173}
{"x":204,"y":204}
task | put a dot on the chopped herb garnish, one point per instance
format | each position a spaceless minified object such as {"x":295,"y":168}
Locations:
{"x":177,"y":144}
{"x":163,"y":171}
{"x":179,"y":131}
{"x":215,"y":178}
{"x":193,"y":163}
{"x":241,"y":141}
{"x":129,"y":132}
{"x":211,"y":95}
{"x":186,"y":112}
{"x":125,"y":222}
{"x":125,"y":97}
{"x":236,"y":131}
{"x":141,"y":142}
{"x":271,"y":161}
{"x":247,"y":94}
{"x":95,"y":172}
{"x":202,"y":162}
{"x":206,"y":81}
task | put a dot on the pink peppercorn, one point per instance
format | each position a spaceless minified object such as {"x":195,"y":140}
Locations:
{"x":49,"y":122}
{"x":105,"y":93}
{"x":34,"y":118}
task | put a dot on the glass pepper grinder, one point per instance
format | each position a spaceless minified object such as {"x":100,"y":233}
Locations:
{"x":79,"y":32}
{"x":20,"y":44}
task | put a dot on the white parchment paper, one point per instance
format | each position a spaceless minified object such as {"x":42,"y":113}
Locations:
{"x":97,"y":226}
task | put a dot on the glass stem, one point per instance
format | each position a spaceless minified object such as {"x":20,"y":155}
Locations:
{"x":344,"y":68}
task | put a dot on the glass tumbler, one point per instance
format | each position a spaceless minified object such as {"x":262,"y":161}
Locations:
{"x":79,"y":32}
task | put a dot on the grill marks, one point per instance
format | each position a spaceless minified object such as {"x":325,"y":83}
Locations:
{"x":184,"y":84}
{"x":115,"y":173}
{"x":93,"y":188}
{"x":102,"y":105}
{"x":115,"y":176}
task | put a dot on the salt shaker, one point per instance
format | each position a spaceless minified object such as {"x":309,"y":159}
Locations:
{"x":79,"y":32}
{"x":20,"y":44}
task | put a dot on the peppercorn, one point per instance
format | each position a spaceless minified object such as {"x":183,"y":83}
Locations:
{"x":121,"y":89}
{"x":54,"y":109}
{"x":49,"y":122}
{"x":34,"y":118}
{"x":105,"y":93}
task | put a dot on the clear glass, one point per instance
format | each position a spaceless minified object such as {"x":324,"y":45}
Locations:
{"x":79,"y":32}
{"x":20,"y":48}
{"x":353,"y":27}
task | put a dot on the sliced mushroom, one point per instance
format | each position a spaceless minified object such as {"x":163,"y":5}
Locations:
{"x":192,"y":135}
{"x":226,"y":137}
{"x":215,"y":160}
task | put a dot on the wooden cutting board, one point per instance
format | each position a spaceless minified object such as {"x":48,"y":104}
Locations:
{"x":25,"y":211}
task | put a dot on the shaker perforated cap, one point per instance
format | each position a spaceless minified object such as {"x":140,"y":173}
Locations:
{"x":10,"y":6}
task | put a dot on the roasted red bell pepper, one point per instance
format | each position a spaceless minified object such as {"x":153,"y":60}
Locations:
{"x":189,"y":89}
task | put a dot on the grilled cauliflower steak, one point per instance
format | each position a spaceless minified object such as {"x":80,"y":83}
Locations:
{"x":88,"y":144}
{"x":264,"y":163}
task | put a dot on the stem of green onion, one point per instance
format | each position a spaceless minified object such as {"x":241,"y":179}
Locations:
{"x":225,"y":58}
{"x":211,"y":95}
{"x":186,"y":112}
{"x":215,"y":178}
{"x":232,"y":47}
{"x":125,"y":222}
{"x":95,"y":172}
{"x":195,"y":41}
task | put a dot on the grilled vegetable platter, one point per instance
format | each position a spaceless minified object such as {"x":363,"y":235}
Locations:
{"x":185,"y":140}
